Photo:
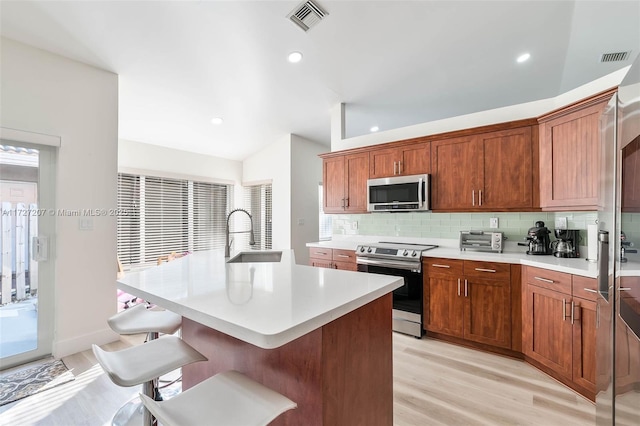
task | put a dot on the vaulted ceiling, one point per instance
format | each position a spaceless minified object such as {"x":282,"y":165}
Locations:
{"x":393,"y":63}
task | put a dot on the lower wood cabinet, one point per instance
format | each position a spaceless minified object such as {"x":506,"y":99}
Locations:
{"x":559,"y":326}
{"x":468,"y":299}
{"x":333,"y":258}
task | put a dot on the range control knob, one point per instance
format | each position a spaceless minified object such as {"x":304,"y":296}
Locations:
{"x":362,"y":249}
{"x":369,"y":250}
{"x":404,"y":253}
{"x":414,"y":253}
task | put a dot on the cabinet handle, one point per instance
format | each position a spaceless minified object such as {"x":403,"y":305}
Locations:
{"x":437,"y":265}
{"x":394,"y":168}
{"x":597,"y":315}
{"x":485,"y":270}
{"x":480,"y":197}
{"x":322,"y":252}
{"x":624,"y":288}
{"x":473,"y":197}
{"x":342,"y":255}
{"x":465,"y":288}
{"x":572,"y":308}
{"x":458,"y":286}
{"x":399,"y":167}
{"x":343,"y":204}
{"x":590,"y":290}
{"x":564,"y":309}
{"x":544,"y":280}
{"x":347,"y":201}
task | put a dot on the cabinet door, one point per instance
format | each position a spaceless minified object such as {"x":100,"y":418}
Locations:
{"x":456,"y":168}
{"x":415,"y":159}
{"x":584,"y":343}
{"x":333,"y":178}
{"x":487,"y":312}
{"x":507,"y":170}
{"x":320,"y":263}
{"x":383,"y":163}
{"x":546,"y":330}
{"x":345,"y":266}
{"x":570,"y":159}
{"x":446,"y":306}
{"x":357,"y":172}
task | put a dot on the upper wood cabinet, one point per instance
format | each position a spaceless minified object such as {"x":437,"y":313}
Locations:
{"x":570,"y":156}
{"x":488,"y":171}
{"x":345,"y":183}
{"x":400,"y":161}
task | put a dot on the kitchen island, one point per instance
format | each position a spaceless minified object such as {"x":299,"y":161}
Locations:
{"x":321,"y":337}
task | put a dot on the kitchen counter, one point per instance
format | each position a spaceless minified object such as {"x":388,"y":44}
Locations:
{"x":265,"y":304}
{"x":511,"y":254}
{"x":314,"y":335}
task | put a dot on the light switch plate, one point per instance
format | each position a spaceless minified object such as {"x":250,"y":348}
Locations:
{"x":354,"y":225}
{"x":493,"y":222}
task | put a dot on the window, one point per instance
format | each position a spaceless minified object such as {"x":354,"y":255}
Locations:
{"x":257,"y":201}
{"x":325,"y":231}
{"x":160,"y":216}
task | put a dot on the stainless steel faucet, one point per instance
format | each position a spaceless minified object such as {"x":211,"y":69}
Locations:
{"x":227,"y":243}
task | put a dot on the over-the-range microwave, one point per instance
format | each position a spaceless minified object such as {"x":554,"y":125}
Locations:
{"x":398,"y":194}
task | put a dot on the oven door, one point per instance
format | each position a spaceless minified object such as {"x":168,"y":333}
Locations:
{"x":407,"y":300}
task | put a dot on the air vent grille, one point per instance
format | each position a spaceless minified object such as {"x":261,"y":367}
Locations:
{"x":306,"y":15}
{"x":614,"y":57}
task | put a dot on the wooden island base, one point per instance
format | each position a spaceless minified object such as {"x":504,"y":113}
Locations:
{"x":339,"y":374}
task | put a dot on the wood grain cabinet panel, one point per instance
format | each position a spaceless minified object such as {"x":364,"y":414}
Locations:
{"x":559,"y":326}
{"x":404,"y":160}
{"x":344,"y":180}
{"x":488,"y":171}
{"x":332,"y":258}
{"x":475,"y":307}
{"x":570,"y":157}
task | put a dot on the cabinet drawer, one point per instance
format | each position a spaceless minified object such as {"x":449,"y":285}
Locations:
{"x":345,"y":266}
{"x":556,"y":281}
{"x":490,"y":270}
{"x":321,"y":253}
{"x":344,"y":255}
{"x":437,"y":266}
{"x":585,"y":288}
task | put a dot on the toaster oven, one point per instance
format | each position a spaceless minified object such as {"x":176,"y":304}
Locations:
{"x":482,"y":241}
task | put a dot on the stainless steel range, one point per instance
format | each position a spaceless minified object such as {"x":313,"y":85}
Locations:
{"x":403,"y":260}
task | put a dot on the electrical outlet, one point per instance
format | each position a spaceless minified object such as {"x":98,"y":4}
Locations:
{"x":561,"y":223}
{"x":493,"y":222}
{"x":300,"y":222}
{"x":354,"y":225}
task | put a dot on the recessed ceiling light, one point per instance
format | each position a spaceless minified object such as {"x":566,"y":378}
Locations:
{"x":523,"y":57}
{"x":295,"y":57}
{"x":374,"y":128}
{"x":216,"y":120}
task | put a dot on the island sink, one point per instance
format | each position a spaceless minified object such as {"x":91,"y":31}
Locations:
{"x":256,"y":256}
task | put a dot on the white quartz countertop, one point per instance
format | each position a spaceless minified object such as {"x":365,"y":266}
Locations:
{"x":265,"y":304}
{"x":512,"y":254}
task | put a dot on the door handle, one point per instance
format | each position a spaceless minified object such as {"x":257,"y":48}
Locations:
{"x":399,"y":167}
{"x":458,"y":286}
{"x":485,"y":270}
{"x":437,"y":265}
{"x":480,"y":197}
{"x":544,"y":280}
{"x":572,"y":308}
{"x":394,"y":168}
{"x":473,"y":197}
{"x":466,"y":285}
{"x":590,"y":290}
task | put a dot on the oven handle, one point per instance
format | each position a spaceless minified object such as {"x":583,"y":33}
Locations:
{"x":407,"y":266}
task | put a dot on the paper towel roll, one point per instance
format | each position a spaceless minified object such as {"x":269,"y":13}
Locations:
{"x":592,"y":243}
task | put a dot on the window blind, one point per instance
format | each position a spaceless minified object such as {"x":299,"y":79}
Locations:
{"x":160,"y":216}
{"x":257,"y":201}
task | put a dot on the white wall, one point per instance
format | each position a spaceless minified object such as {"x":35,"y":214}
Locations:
{"x":46,"y":93}
{"x":274,"y":163}
{"x":170,"y":162}
{"x":482,"y":118}
{"x":306,"y":174}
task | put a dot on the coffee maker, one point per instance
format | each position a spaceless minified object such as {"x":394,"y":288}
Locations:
{"x":538,"y":239}
{"x":566,"y":244}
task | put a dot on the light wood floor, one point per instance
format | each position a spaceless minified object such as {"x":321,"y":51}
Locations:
{"x":435,"y":383}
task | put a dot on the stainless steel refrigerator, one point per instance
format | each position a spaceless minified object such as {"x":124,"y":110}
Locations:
{"x":618,"y":308}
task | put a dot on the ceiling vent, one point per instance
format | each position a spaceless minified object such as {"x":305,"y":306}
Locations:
{"x":614,"y":57}
{"x":306,"y":15}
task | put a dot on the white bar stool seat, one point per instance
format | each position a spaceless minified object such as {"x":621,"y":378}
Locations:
{"x":226,"y":399}
{"x":139,"y":319}
{"x":142,"y":363}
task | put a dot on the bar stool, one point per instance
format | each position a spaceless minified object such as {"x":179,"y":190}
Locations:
{"x":139,"y":319}
{"x":226,"y":399}
{"x":143,"y":364}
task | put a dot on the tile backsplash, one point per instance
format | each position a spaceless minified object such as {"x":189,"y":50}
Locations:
{"x":449,"y":225}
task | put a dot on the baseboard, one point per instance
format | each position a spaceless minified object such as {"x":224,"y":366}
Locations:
{"x":77,"y":344}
